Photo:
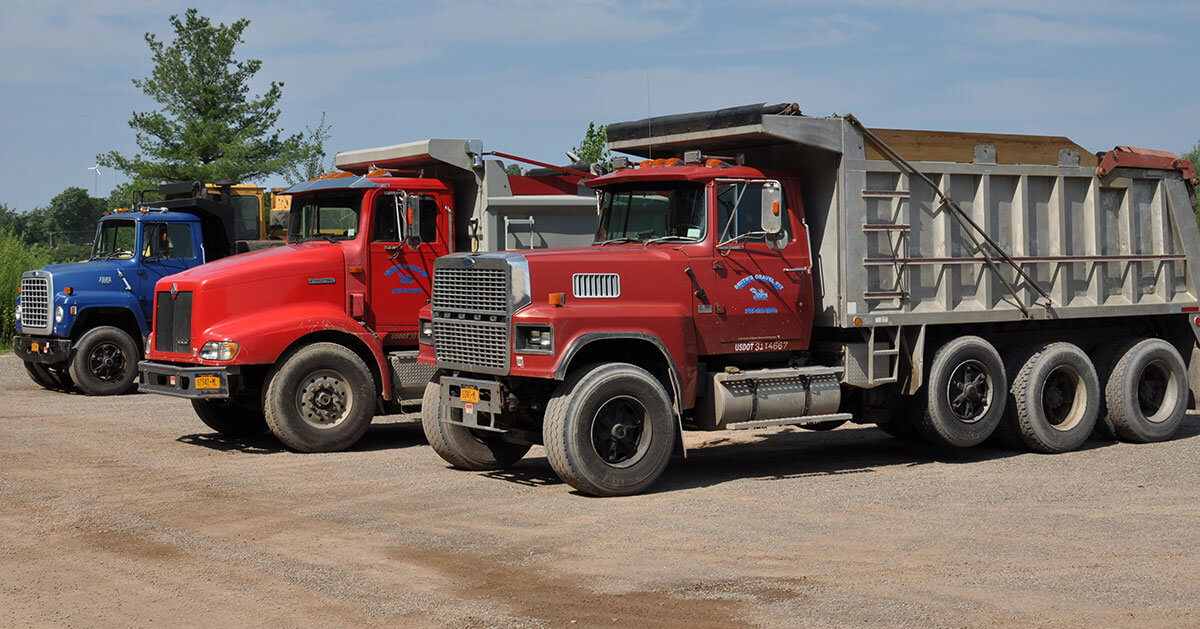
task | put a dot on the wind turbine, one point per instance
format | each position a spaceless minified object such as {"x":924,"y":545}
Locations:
{"x":96,"y":184}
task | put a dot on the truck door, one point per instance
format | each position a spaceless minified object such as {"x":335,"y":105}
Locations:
{"x":765,"y":293}
{"x":166,"y":249}
{"x":401,"y":276}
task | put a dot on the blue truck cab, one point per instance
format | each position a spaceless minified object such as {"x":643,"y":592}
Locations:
{"x":85,"y":323}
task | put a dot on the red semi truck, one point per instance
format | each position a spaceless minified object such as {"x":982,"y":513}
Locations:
{"x":770,"y":268}
{"x":315,"y":338}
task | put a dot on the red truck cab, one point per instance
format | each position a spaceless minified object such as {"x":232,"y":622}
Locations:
{"x":683,"y":266}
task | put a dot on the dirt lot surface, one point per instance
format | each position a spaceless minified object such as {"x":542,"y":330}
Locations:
{"x":128,"y":511}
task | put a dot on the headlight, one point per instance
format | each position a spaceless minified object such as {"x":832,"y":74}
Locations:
{"x":534,"y":338}
{"x":219,"y":350}
{"x":58,"y":314}
{"x":425,"y":333}
{"x":149,"y":344}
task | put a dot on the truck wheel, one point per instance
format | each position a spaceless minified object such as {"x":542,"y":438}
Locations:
{"x":462,"y":447}
{"x":54,"y":378}
{"x":321,"y":400}
{"x":964,"y":397}
{"x":1147,"y":392}
{"x":1056,"y":399}
{"x":608,"y":430}
{"x":231,"y":418}
{"x":105,"y":361}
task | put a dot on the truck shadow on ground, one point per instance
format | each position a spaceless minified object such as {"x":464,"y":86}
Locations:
{"x":383,"y":436}
{"x":799,"y":454}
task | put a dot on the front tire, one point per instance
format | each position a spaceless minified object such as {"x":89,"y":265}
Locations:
{"x":1147,"y":392}
{"x":105,"y":361}
{"x":53,"y":378}
{"x":964,"y":397}
{"x":608,"y":430}
{"x":460,"y":446}
{"x":321,"y":400}
{"x":231,"y":418}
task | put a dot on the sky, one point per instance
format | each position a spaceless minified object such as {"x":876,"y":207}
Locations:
{"x":526,"y":76}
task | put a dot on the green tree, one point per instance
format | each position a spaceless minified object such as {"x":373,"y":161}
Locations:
{"x":313,"y":163}
{"x":594,"y":147}
{"x":71,"y":217}
{"x":209,"y":126}
{"x":1194,"y":156}
{"x":513,"y":169}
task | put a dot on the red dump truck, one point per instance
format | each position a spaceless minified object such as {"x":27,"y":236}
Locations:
{"x":770,"y":268}
{"x":315,"y":338}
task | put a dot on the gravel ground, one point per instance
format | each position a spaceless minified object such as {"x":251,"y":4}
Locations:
{"x":128,"y":511}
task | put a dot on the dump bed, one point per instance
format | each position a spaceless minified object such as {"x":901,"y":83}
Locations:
{"x":495,"y":211}
{"x":890,"y":251}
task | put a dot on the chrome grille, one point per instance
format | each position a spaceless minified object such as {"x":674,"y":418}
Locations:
{"x":471,"y":345}
{"x":35,"y":303}
{"x":471,"y":290}
{"x":471,"y":314}
{"x":596,"y":285}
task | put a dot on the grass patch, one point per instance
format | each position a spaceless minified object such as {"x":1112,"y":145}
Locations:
{"x":16,"y":257}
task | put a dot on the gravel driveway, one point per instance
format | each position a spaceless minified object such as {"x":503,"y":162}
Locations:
{"x":128,"y":511}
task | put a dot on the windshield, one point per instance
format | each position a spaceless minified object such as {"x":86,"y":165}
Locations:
{"x":325,"y":216}
{"x":115,"y":240}
{"x":643,"y":212}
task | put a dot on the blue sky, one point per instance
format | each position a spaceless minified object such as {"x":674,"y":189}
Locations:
{"x":527,"y":76}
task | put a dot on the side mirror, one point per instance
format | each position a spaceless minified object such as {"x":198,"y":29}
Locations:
{"x":412,"y":221}
{"x":772,"y":214}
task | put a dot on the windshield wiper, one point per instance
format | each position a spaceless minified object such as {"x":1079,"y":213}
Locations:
{"x":617,"y":240}
{"x":666,"y":238}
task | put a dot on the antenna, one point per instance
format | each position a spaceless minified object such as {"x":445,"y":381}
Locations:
{"x":96,"y":181}
{"x":649,"y":124}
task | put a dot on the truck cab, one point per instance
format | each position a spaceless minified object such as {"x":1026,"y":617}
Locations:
{"x":313,"y":339}
{"x":84,"y":323}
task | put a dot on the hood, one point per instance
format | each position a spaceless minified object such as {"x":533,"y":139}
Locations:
{"x":90,"y":275}
{"x":264,"y":265}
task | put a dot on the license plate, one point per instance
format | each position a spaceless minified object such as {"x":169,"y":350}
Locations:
{"x":469,"y":394}
{"x":33,"y":347}
{"x":208,"y":382}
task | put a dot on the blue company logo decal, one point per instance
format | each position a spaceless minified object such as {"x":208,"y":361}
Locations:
{"x":759,"y":294}
{"x":405,"y":278}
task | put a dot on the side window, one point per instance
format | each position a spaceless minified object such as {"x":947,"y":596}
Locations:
{"x":153,"y":235}
{"x":387,"y":219}
{"x":245,"y":217}
{"x":739,"y":212}
{"x":179,"y":239}
{"x":390,"y":222}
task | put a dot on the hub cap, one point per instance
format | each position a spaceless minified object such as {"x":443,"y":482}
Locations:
{"x":620,"y":432}
{"x":969,"y":392}
{"x":324,"y":399}
{"x":1063,"y":398}
{"x":107,"y":362}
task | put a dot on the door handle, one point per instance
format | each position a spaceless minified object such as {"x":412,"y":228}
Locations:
{"x":798,"y":269}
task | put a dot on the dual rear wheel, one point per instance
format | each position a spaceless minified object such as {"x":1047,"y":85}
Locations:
{"x":1050,"y":397}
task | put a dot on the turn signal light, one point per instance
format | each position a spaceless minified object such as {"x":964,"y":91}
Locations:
{"x":775,"y":208}
{"x":558,"y":299}
{"x":68,"y":290}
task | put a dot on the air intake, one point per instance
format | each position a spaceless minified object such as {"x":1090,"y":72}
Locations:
{"x":596,"y":285}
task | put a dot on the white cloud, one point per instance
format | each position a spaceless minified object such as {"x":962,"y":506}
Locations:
{"x":1006,"y":28}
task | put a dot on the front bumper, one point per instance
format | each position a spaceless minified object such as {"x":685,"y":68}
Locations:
{"x":480,"y":415}
{"x":42,"y":349}
{"x":181,"y":381}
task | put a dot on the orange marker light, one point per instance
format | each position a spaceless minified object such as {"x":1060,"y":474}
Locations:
{"x":68,"y":290}
{"x":558,"y":299}
{"x":712,"y":162}
{"x":775,"y":208}
{"x":356,"y":269}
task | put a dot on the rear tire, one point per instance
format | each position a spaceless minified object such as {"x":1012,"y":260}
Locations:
{"x":963,"y":400}
{"x":609,"y":430}
{"x":460,"y":446}
{"x":230,"y":418}
{"x":105,"y":361}
{"x":1056,"y":399}
{"x":1147,"y":393}
{"x":321,"y":400}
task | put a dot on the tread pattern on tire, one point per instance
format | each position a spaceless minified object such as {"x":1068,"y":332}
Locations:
{"x":1020,"y":396}
{"x":1123,"y":424}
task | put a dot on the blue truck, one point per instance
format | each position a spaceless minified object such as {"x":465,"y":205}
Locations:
{"x":84,"y":324}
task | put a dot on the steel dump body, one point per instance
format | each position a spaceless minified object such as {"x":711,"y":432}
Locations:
{"x":889,"y":252}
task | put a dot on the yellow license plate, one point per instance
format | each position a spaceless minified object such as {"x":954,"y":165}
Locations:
{"x":469,"y":394}
{"x":208,"y":382}
{"x":33,"y":347}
